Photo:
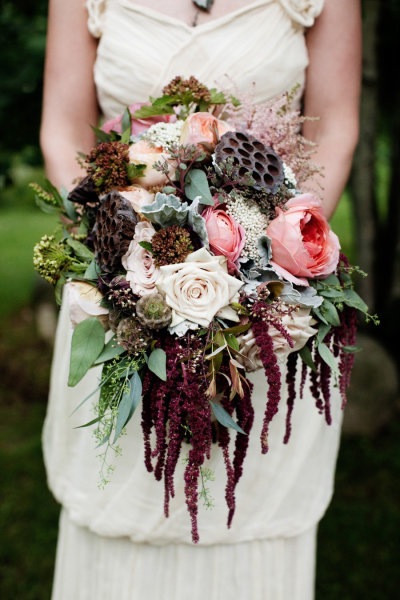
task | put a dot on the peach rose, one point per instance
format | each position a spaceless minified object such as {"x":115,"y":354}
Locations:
{"x":138,"y":196}
{"x":303,"y":244}
{"x":141,"y":271}
{"x":204,"y":130}
{"x":137,"y":125}
{"x":143,"y":153}
{"x":226,"y":236}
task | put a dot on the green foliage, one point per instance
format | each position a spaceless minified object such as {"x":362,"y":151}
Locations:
{"x":87,"y":344}
{"x":22,"y":40}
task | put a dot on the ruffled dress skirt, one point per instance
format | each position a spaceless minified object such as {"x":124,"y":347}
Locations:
{"x":115,"y":542}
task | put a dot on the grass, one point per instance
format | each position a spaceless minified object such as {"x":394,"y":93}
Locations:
{"x":19,"y":231}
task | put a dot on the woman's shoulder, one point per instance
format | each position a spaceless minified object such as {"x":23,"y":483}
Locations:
{"x":303,"y":12}
{"x":96,"y":10}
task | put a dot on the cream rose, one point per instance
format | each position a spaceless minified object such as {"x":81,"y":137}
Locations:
{"x":84,"y":301}
{"x":199,"y":289}
{"x":298,"y":324}
{"x":141,"y":271}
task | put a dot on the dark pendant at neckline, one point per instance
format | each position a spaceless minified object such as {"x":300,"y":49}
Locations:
{"x":203,"y":4}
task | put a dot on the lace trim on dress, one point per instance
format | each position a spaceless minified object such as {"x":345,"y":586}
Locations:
{"x":96,"y":9}
{"x":303,"y":12}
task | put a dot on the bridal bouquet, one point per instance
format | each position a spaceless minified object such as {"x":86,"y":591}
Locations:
{"x":191,"y":259}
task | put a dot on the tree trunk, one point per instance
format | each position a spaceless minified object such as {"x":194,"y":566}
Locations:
{"x":362,"y":182}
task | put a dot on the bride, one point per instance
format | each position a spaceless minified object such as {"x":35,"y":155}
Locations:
{"x":115,"y":543}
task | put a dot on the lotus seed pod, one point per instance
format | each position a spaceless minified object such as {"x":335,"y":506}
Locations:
{"x":249,"y":158}
{"x":113,"y":231}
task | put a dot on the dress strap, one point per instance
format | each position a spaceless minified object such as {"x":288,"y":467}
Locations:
{"x":96,"y":10}
{"x":303,"y":12}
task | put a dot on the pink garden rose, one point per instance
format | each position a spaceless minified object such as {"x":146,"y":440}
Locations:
{"x":138,"y":125}
{"x":226,"y":236}
{"x":303,"y":244}
{"x":204,"y":130}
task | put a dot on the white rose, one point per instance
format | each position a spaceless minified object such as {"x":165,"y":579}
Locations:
{"x":141,"y":271}
{"x":84,"y":302}
{"x":199,"y":289}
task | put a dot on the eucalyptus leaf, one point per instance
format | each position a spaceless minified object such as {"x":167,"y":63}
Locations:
{"x":158,"y":363}
{"x":323,"y":330}
{"x":224,"y":417}
{"x":110,"y":351}
{"x":128,"y":404}
{"x":353,"y":299}
{"x":93,"y":271}
{"x":306,"y":356}
{"x":87,"y":344}
{"x":92,"y":422}
{"x":327,"y":356}
{"x":328,"y":313}
{"x":196,"y":184}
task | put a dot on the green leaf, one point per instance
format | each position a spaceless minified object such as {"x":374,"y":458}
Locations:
{"x":232,"y":341}
{"x":332,"y":280}
{"x":147,"y":246}
{"x":328,"y":313}
{"x":323,"y":330}
{"x":128,"y":404}
{"x":135,"y":170}
{"x":126,"y":123}
{"x":224,"y":418}
{"x":93,"y":271}
{"x":92,"y":422}
{"x":328,"y":357}
{"x":80,"y":250}
{"x":160,"y":106}
{"x":306,"y":356}
{"x":351,"y":349}
{"x":110,"y":351}
{"x":87,"y":344}
{"x":158,"y":363}
{"x":333,"y":293}
{"x":196,"y":184}
{"x":101,"y":135}
{"x":353,"y":299}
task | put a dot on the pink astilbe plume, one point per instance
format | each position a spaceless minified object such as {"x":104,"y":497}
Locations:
{"x":277,"y":124}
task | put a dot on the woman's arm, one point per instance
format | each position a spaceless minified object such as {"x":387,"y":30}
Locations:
{"x":332,"y":93}
{"x":69,"y":101}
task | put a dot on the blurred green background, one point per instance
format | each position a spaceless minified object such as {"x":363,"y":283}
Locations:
{"x":358,"y":541}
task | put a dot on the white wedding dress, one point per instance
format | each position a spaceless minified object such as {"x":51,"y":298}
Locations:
{"x":115,"y":542}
